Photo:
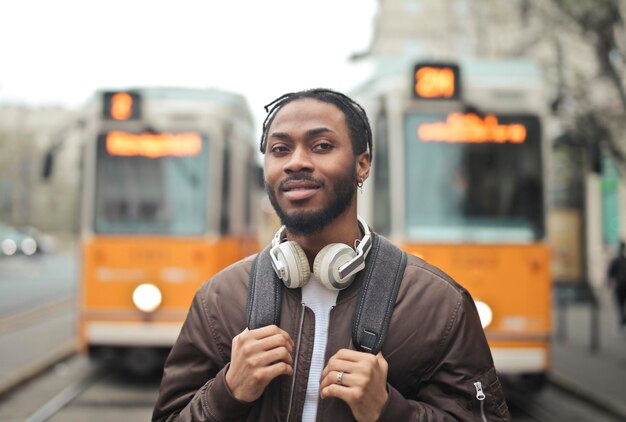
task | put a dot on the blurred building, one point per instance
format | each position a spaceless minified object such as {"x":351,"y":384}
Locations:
{"x":26,"y":198}
{"x":584,"y":178}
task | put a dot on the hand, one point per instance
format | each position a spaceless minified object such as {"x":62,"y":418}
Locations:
{"x":258,"y":356}
{"x":363,"y":385}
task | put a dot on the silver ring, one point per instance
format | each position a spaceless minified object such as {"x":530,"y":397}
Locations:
{"x":339,"y":377}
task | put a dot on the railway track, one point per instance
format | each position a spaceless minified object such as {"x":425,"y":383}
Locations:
{"x":82,"y":391}
{"x":65,"y":397}
{"x":102,"y":395}
{"x":77,"y":390}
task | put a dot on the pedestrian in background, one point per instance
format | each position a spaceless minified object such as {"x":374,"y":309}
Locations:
{"x":617,"y":280}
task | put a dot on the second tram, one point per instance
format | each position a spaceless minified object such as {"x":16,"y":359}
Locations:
{"x":459,"y":180}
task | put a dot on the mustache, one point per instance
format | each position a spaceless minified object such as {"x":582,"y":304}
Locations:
{"x":300,"y":177}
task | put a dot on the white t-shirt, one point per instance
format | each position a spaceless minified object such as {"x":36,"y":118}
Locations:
{"x":320,"y":300}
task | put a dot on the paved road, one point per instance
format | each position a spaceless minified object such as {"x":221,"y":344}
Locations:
{"x":37,"y":314}
{"x":26,"y":282}
{"x":599,"y":372}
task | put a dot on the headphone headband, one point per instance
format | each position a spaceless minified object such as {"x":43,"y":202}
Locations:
{"x":348,"y":269}
{"x":279,"y":267}
{"x":363,"y":248}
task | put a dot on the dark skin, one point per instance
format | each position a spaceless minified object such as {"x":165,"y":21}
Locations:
{"x":312,"y":137}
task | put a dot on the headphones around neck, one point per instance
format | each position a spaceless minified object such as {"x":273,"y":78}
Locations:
{"x":335,"y":265}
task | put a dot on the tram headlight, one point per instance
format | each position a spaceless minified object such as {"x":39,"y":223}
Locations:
{"x":28,"y":246}
{"x":147,"y":297}
{"x":484,"y":312}
{"x":9,"y":247}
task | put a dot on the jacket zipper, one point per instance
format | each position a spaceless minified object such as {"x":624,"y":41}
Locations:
{"x":480,"y":395}
{"x":295,"y":362}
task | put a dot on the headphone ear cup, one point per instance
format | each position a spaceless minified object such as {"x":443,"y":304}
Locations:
{"x":294,"y":259}
{"x":327,"y":263}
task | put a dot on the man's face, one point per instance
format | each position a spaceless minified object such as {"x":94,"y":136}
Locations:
{"x":310,"y":168}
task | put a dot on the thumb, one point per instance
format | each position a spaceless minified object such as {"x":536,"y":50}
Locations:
{"x":381,"y":359}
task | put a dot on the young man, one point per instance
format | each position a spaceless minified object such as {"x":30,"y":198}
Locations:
{"x":435,"y":364}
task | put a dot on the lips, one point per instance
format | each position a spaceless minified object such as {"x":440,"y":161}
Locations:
{"x":298,"y":190}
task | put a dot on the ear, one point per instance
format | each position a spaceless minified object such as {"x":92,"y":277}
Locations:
{"x":363,"y":164}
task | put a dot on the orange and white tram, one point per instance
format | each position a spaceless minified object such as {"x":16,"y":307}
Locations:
{"x":168,"y":196}
{"x":459,"y":179}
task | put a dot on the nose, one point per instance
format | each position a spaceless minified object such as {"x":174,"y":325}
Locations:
{"x":299,"y":160}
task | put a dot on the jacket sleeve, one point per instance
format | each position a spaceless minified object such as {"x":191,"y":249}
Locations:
{"x":194,"y":386}
{"x":462,"y":385}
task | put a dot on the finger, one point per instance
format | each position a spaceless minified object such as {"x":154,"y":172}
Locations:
{"x":270,"y":357}
{"x":382,"y":362}
{"x":351,"y":361}
{"x":251,"y":346}
{"x":351,"y":355}
{"x":340,"y":365}
{"x":274,"y":341}
{"x":267,"y":331}
{"x":239,"y":337}
{"x":347,"y":380}
{"x":340,"y":391}
{"x":268,"y":373}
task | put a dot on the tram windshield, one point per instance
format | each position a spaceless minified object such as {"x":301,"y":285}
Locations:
{"x":151,"y":183}
{"x":473,"y":179}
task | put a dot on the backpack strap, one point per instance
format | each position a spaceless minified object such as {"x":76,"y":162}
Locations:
{"x":384,"y":270}
{"x":377,"y":295}
{"x":264,"y":292}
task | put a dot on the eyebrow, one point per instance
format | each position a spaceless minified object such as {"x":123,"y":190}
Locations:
{"x":308,"y":134}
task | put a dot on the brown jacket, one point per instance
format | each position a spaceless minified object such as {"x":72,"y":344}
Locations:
{"x":435,"y":347}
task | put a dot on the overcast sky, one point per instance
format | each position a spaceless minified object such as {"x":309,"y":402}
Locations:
{"x":60,"y":51}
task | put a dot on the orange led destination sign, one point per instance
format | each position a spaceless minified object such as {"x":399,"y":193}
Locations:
{"x":471,"y":128}
{"x":153,"y":145}
{"x":436,"y":81}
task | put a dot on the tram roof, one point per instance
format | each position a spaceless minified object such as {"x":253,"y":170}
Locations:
{"x":477,"y":70}
{"x":208,"y":96}
{"x":182,"y":99}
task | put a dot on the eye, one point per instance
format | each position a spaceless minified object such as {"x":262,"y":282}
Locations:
{"x":323,"y":146}
{"x":279,"y":149}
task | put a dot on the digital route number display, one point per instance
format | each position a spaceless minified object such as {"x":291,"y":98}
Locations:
{"x":436,"y":81}
{"x":121,"y":106}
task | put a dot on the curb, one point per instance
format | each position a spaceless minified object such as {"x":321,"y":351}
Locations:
{"x":588,"y":395}
{"x":27,"y":373}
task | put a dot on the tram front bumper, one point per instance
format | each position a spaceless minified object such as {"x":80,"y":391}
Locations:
{"x":131,"y":333}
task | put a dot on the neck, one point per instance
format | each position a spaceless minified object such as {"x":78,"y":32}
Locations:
{"x":343,"y":229}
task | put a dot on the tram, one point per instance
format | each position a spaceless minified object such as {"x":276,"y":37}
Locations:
{"x":459,"y":152}
{"x":168,"y":195}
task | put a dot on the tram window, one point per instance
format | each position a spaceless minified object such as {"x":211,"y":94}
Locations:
{"x":478,"y":191}
{"x":161,"y":195}
{"x":382,"y":203}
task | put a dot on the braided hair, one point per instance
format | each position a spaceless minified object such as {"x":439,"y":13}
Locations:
{"x":356,"y":118}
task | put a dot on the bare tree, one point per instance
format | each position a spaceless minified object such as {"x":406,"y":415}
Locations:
{"x":593,"y":102}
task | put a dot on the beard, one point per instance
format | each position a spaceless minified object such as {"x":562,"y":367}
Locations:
{"x":308,"y":222}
